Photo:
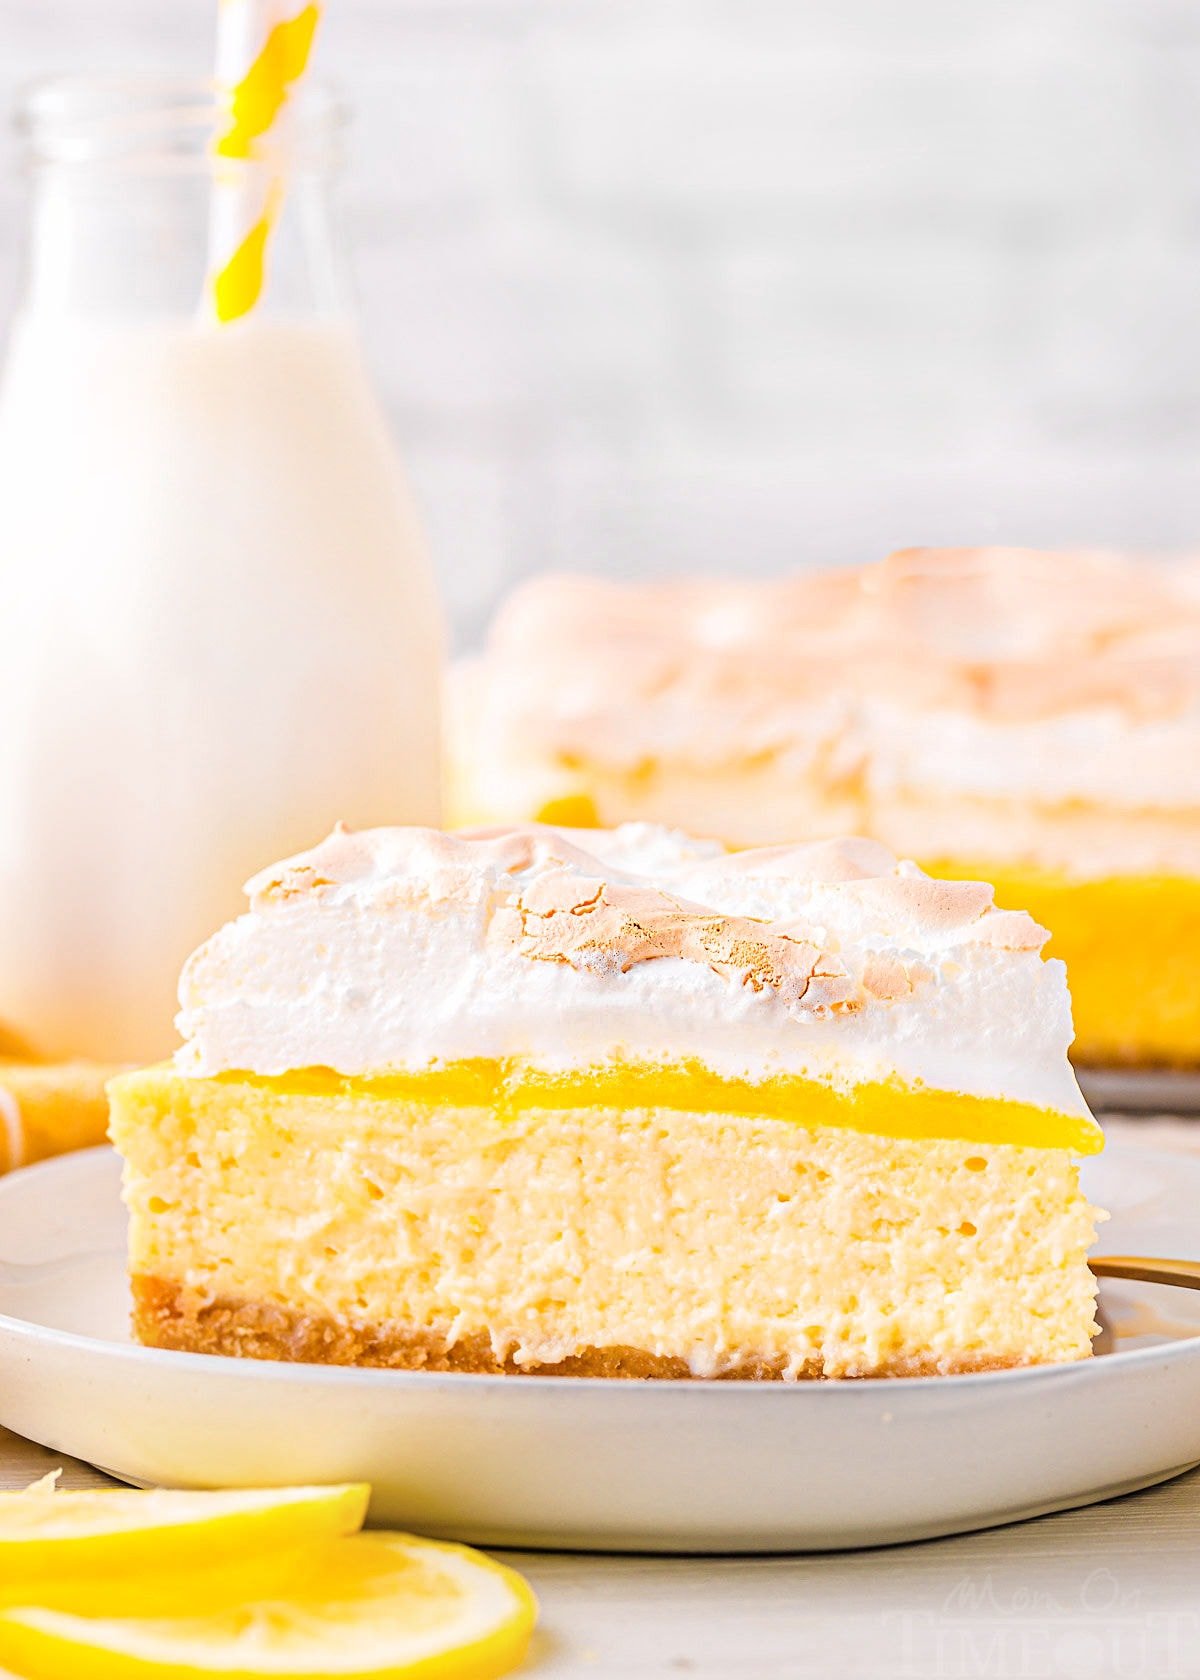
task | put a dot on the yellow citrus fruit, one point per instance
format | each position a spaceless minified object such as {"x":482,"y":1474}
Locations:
{"x":47,"y":1536}
{"x":378,"y":1605}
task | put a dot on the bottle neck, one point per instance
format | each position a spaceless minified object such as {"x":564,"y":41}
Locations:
{"x":131,"y":211}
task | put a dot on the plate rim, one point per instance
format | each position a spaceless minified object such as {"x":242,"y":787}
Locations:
{"x":271,"y":1370}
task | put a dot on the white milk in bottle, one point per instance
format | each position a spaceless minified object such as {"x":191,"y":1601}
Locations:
{"x":220,"y":634}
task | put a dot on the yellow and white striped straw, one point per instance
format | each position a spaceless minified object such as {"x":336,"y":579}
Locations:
{"x":263,"y":49}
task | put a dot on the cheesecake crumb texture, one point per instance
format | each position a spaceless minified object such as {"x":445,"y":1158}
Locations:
{"x":367,"y":1228}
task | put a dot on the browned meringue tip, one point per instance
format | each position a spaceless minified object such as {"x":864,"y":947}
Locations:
{"x":615,"y":919}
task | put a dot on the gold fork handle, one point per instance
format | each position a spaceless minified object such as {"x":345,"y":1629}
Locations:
{"x":1185,"y":1273}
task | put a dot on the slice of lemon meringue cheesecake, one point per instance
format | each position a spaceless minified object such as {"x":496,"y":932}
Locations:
{"x":496,"y":1102}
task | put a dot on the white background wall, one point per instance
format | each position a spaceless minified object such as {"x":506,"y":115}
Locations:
{"x":737,"y":284}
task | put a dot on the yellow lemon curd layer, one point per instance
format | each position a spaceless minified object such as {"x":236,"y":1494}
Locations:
{"x":882,"y":1108}
{"x":1129,"y":943}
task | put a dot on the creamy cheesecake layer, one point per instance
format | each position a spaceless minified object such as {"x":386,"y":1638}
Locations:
{"x":341,"y":1220}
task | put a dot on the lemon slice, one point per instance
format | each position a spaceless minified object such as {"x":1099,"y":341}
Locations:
{"x":383,"y":1606}
{"x":47,"y":1535}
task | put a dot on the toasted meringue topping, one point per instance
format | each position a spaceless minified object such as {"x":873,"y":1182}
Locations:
{"x":397,"y":949}
{"x":603,"y":930}
{"x":993,"y":673}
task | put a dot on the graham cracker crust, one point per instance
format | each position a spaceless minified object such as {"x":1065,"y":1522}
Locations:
{"x":167,"y":1314}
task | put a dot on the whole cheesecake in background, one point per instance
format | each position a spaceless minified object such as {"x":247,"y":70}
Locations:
{"x":1028,"y":719}
{"x":498,"y":1103}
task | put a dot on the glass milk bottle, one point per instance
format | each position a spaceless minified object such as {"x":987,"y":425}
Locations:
{"x":220,"y":634}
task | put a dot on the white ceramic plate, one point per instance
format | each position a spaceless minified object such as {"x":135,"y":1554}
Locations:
{"x":657,"y":1466}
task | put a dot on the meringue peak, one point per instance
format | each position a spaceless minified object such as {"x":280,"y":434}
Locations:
{"x":399,"y":948}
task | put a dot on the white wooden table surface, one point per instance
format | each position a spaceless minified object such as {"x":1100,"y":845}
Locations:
{"x":1107,"y":1593}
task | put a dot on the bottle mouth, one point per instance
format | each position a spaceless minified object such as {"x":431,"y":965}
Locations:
{"x":168,"y":123}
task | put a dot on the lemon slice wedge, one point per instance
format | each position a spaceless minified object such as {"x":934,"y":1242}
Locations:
{"x":379,"y":1605}
{"x":50,"y":1536}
